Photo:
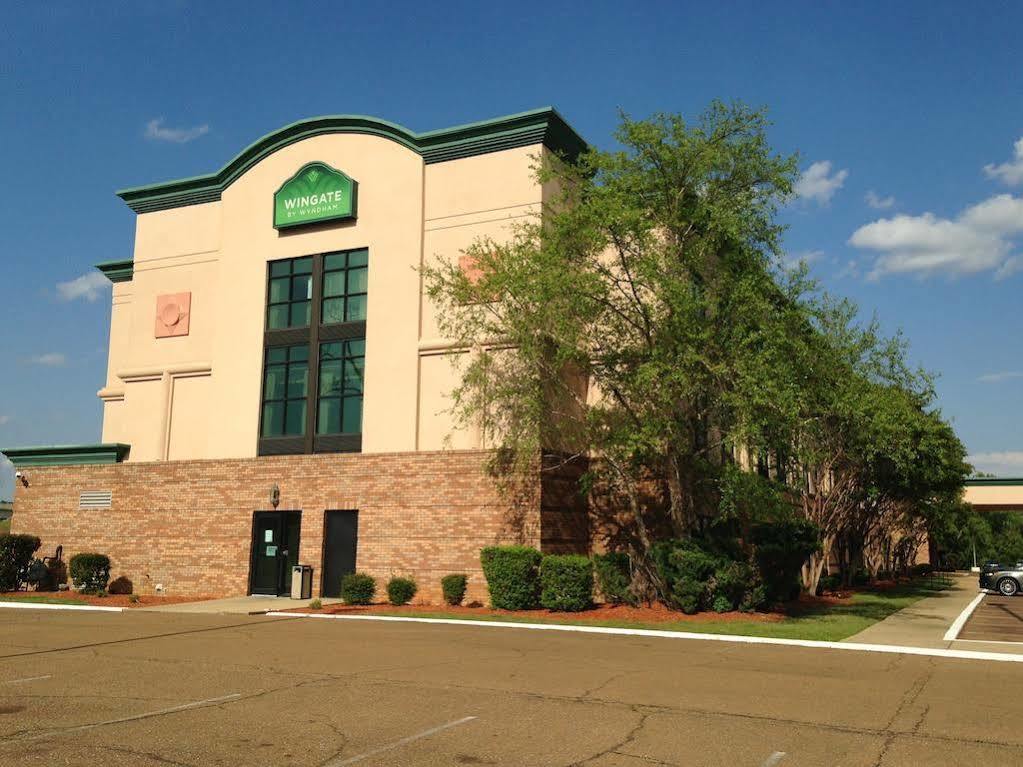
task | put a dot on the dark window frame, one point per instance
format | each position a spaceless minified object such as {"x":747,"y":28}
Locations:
{"x":313,"y":336}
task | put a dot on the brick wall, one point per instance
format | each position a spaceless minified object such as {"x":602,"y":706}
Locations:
{"x":188,"y":524}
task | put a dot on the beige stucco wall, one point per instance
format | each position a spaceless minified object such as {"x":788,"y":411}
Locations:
{"x":995,"y":496}
{"x":198,"y":396}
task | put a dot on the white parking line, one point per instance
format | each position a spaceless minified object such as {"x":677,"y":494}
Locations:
{"x":28,"y":679}
{"x":400,"y":743}
{"x":656,"y":633}
{"x":958,"y":623}
{"x":136,"y":717}
{"x":773,"y":759}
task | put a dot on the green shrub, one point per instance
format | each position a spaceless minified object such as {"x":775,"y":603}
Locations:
{"x":15,"y":556}
{"x":829,"y":582}
{"x":860,"y":578}
{"x":731,"y":582}
{"x":358,"y":589}
{"x":121,"y":585}
{"x":614,"y":576}
{"x":400,"y":591}
{"x":566,"y":583}
{"x":90,"y":572}
{"x":513,"y":576}
{"x":453,"y":588}
{"x":924,"y":568}
{"x":722,"y":604}
{"x":687,"y":570}
{"x":781,"y":548}
{"x":755,"y":597}
{"x":134,"y":599}
{"x":316,"y":604}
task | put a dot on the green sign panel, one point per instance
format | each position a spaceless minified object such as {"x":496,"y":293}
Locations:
{"x":316,"y":193}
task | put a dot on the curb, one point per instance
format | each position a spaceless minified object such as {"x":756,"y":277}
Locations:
{"x":960,"y":621}
{"x":734,"y":639}
{"x":46,"y":606}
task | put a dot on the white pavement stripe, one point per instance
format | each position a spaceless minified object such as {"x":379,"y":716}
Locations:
{"x":136,"y":717}
{"x":847,"y":646}
{"x":773,"y":759}
{"x":958,"y":623}
{"x":400,"y":743}
{"x":28,"y":679}
{"x":45,"y":606}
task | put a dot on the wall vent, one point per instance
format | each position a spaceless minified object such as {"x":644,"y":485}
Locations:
{"x":95,"y":499}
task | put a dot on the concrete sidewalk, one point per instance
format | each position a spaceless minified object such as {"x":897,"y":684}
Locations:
{"x":250,"y":605}
{"x":924,"y":623}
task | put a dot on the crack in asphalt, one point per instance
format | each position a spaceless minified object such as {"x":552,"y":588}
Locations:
{"x":149,"y":754}
{"x":630,"y":736}
{"x":908,"y":699}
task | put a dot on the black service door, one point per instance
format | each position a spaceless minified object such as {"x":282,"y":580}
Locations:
{"x":275,"y":541}
{"x":340,"y":536}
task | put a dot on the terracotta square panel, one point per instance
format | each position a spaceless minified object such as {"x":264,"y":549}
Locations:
{"x":172,"y":314}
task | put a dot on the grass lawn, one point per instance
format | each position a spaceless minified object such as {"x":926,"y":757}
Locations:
{"x":43,"y":600}
{"x":821,"y":621}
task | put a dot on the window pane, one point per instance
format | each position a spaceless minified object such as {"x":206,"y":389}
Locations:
{"x":356,"y":308}
{"x":274,"y":387}
{"x":334,"y":261}
{"x":298,"y":353}
{"x":357,"y":280}
{"x":334,"y":284}
{"x":273,"y":419}
{"x":300,"y":314}
{"x":280,"y":268}
{"x":279,"y":290}
{"x":330,"y":378}
{"x":277,"y":317}
{"x":277,"y":354}
{"x":298,"y":380}
{"x":301,"y":288}
{"x":295,"y":421}
{"x":351,"y":416}
{"x":329,"y":417}
{"x":330,"y":351}
{"x":356,"y":348}
{"x":358,"y":258}
{"x":303,"y":265}
{"x":353,"y":377}
{"x":333,"y":311}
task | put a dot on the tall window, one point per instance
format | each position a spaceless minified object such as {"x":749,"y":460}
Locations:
{"x":314,"y":354}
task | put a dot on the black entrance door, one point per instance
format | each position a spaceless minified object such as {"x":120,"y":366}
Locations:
{"x":340,"y":536}
{"x":275,"y":539}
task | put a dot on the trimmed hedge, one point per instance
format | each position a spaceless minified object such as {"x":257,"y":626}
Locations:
{"x":453,"y":587}
{"x":400,"y":591}
{"x":358,"y":589}
{"x":566,"y":583}
{"x":614,"y":576}
{"x":513,"y":576}
{"x":90,"y":572}
{"x":15,"y":556}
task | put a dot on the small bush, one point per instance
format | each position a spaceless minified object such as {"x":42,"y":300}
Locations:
{"x":614,"y":577}
{"x":400,"y":591}
{"x":754,"y":599}
{"x":782,"y":547}
{"x":358,"y":589}
{"x":566,"y":583}
{"x":722,"y":604}
{"x":15,"y":556}
{"x":687,"y":570}
{"x":316,"y":604}
{"x":731,"y":582}
{"x":924,"y":568}
{"x":829,"y":582}
{"x":121,"y":585}
{"x":513,"y":576}
{"x":453,"y":587}
{"x":860,"y":578}
{"x":134,"y":599}
{"x":90,"y":572}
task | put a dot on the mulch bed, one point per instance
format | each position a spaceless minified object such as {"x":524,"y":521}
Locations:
{"x":111,"y":600}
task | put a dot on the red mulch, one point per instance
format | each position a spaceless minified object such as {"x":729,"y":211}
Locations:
{"x":111,"y":600}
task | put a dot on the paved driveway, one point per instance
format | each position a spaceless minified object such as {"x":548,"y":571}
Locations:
{"x":995,"y":619}
{"x":151,"y":689}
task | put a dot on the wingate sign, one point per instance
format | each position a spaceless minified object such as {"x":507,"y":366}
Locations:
{"x":316,"y":193}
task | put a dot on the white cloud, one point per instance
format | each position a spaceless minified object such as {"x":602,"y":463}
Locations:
{"x":851,"y":270}
{"x":1004,"y":375}
{"x":1005,"y":463}
{"x":979,"y":239}
{"x":1009,"y":173}
{"x":50,"y":359}
{"x":818,"y":183}
{"x":89,"y":286}
{"x":792,"y":260}
{"x":877,"y":202}
{"x":156,"y":131}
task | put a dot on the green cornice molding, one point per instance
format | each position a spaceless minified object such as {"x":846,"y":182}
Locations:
{"x":539,"y":126}
{"x":994,"y":481}
{"x":118,"y":271}
{"x":67,"y":455}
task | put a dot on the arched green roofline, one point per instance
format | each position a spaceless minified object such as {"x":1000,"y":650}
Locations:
{"x":539,"y":126}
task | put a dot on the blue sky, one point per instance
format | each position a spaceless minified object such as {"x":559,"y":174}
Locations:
{"x":906,"y":120}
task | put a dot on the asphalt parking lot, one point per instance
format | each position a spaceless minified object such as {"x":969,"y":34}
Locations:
{"x":995,"y":619}
{"x":139,"y":688}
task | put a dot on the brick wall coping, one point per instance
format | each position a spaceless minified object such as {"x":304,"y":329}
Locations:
{"x":67,"y":455}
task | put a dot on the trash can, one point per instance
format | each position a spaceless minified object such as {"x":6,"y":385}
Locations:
{"x":301,"y":582}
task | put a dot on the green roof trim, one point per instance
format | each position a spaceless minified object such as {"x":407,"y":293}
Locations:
{"x":995,"y":481}
{"x":118,"y":271}
{"x":67,"y":455}
{"x":539,"y":126}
